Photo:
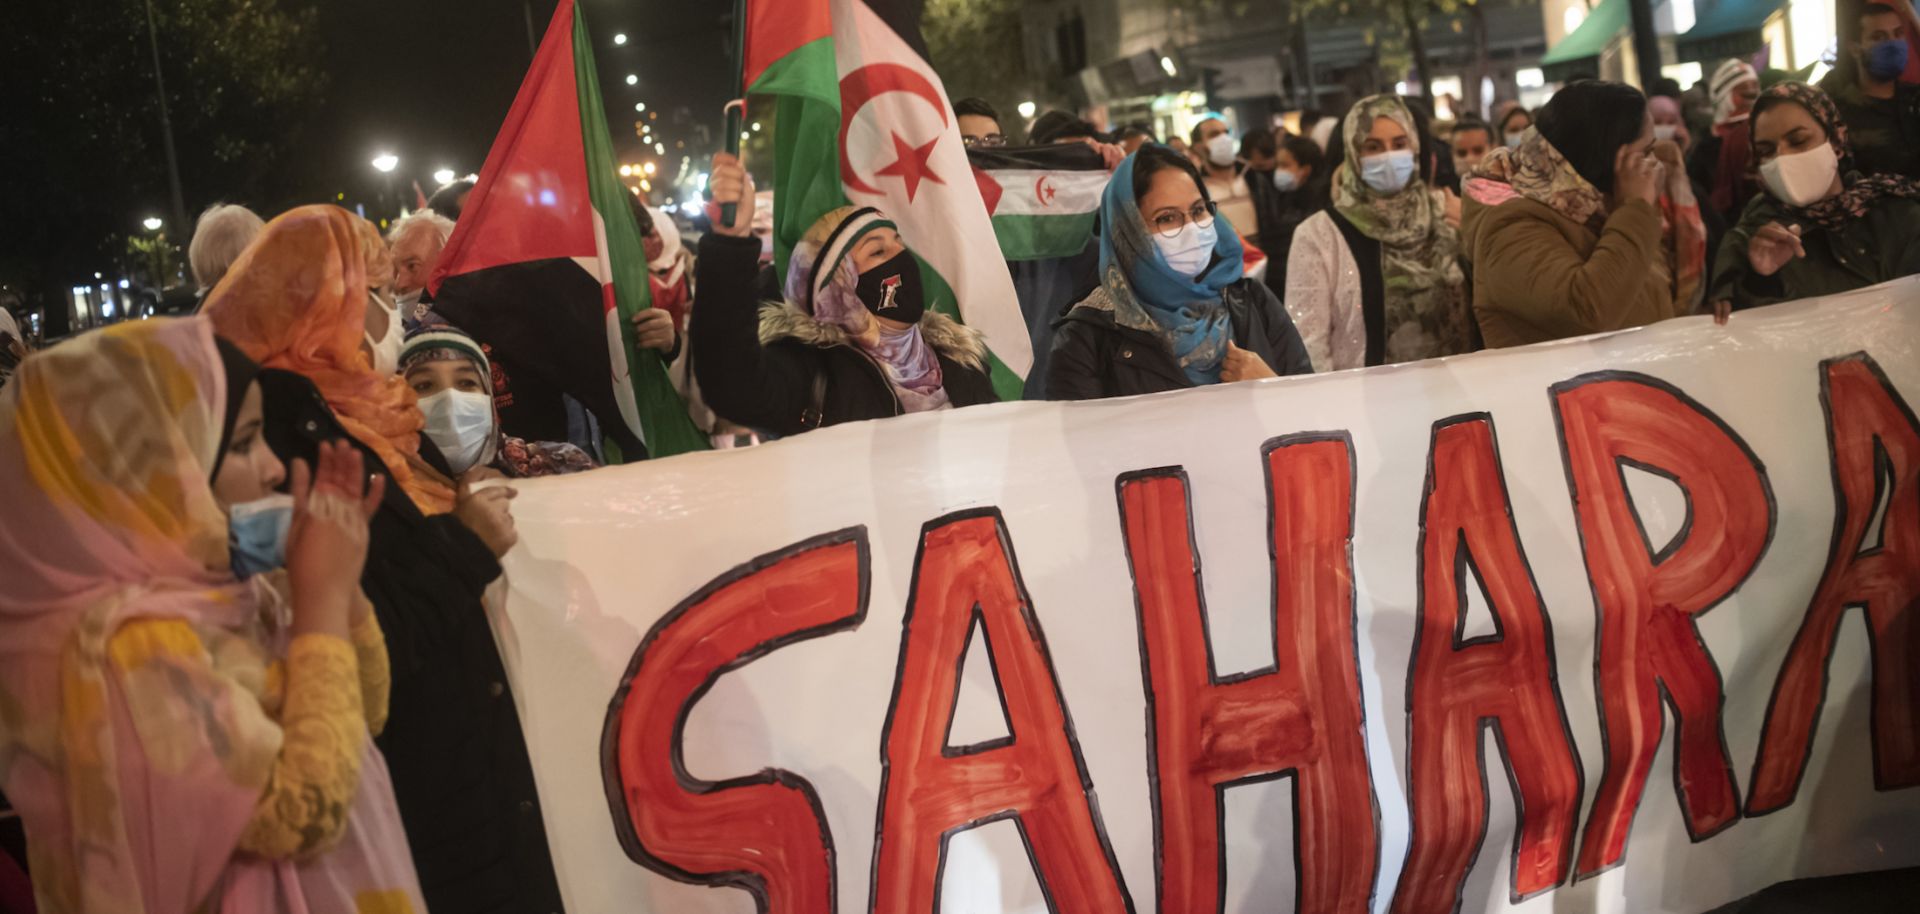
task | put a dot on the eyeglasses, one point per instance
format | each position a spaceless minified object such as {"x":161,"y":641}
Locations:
{"x":1168,"y":222}
{"x":990,"y":140}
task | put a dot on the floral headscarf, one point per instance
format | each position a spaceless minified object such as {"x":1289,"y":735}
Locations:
{"x":296,"y":301}
{"x":1426,"y":313}
{"x":1537,"y":171}
{"x":1858,"y":191}
{"x":911,"y":367}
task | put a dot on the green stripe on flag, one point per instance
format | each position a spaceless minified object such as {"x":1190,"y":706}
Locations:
{"x":1007,"y":385}
{"x":664,"y":424}
{"x":1043,"y":237}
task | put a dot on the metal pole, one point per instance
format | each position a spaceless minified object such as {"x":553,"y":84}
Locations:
{"x":533,"y":45}
{"x":1646,"y":43}
{"x":180,"y":224}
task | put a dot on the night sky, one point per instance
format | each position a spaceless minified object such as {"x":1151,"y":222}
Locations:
{"x":431,"y":80}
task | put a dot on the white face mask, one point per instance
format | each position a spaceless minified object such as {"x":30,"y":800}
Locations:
{"x":460,"y":424}
{"x":1664,"y":131}
{"x":386,"y":350}
{"x":1189,"y":250}
{"x":1803,"y":178}
{"x":1513,"y":140}
{"x":1220,"y":150}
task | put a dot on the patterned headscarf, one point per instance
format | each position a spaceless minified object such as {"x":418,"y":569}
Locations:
{"x":1426,"y":312}
{"x":1537,"y":171}
{"x":1858,"y":191}
{"x":911,"y":367}
{"x":1728,"y":77}
{"x":297,"y":300}
{"x":1186,"y":312}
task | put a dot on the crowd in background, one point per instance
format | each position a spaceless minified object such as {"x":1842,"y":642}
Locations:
{"x":246,"y":551}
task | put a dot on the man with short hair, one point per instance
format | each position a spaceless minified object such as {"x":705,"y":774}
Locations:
{"x":416,"y":241}
{"x":1213,"y":150}
{"x":1882,"y":114}
{"x":979,"y":123}
{"x":222,"y":233}
{"x":1133,"y":136}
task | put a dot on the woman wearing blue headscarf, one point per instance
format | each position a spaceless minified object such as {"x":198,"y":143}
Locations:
{"x":1174,"y":308}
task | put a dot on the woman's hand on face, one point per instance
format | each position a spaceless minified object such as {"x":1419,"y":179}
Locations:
{"x":1773,"y":247}
{"x":1636,"y":177}
{"x":653,"y":329}
{"x":327,"y":544}
{"x":730,"y":183}
{"x":1679,"y":185}
{"x":489,"y":514}
{"x":1241,"y":365}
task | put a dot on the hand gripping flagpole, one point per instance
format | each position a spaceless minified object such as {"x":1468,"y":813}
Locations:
{"x":735,"y":112}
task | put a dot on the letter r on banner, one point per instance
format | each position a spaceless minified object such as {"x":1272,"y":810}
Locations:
{"x":1301,"y":718}
{"x":1875,"y":450}
{"x":963,"y":574}
{"x":1647,"y":596}
{"x":764,"y":833}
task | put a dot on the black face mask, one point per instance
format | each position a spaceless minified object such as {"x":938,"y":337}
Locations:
{"x":892,"y":289}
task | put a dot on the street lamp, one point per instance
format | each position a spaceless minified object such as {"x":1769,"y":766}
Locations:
{"x":632,"y":80}
{"x":386,"y":162}
{"x":640,"y":106}
{"x":151,"y":223}
{"x":443,"y":177}
{"x":1027,"y":109}
{"x":620,"y":38}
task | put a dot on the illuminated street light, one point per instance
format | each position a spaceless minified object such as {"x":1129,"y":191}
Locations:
{"x":646,"y":184}
{"x":386,"y":162}
{"x":1027,"y":109}
{"x":1166,"y":63}
{"x":648,"y":168}
{"x":660,"y":148}
{"x":151,"y":223}
{"x":633,"y":80}
{"x":756,"y":126}
{"x":620,"y":38}
{"x":443,"y":177}
{"x":640,"y":106}
{"x":626,"y":171}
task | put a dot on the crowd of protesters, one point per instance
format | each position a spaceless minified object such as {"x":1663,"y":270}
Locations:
{"x":246,"y":551}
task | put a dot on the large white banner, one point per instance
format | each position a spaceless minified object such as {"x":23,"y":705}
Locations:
{"x":1617,"y":624}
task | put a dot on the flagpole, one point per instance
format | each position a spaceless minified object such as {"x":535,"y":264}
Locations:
{"x":736,"y":108}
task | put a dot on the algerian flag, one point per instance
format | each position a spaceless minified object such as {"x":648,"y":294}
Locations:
{"x":545,"y":265}
{"x":894,"y":145}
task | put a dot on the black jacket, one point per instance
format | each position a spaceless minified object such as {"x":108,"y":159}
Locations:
{"x":1093,"y":357}
{"x":778,"y":370}
{"x":452,"y":742}
{"x":1280,"y":214}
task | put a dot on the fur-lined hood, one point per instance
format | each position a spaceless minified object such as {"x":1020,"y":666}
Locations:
{"x":948,"y":337}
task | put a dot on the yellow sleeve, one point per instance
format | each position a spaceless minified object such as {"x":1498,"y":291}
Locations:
{"x":304,"y":806}
{"x":376,"y":677}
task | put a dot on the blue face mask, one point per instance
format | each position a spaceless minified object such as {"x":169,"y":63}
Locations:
{"x":1284,"y":180}
{"x":257,"y":534}
{"x":1388,"y":172}
{"x":1886,"y":60}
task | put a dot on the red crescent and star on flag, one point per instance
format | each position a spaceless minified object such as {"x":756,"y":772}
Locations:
{"x":911,"y":163}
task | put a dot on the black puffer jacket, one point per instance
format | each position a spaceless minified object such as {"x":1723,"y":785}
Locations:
{"x":771,"y":367}
{"x":453,"y":742}
{"x":1093,"y":357}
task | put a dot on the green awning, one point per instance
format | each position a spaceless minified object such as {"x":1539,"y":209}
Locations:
{"x":1579,"y":53}
{"x":1728,"y":28}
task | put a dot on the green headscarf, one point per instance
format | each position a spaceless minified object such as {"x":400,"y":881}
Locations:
{"x":1426,"y":308}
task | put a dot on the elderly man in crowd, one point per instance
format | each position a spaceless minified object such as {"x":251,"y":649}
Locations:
{"x":416,"y":241}
{"x":223,"y":231}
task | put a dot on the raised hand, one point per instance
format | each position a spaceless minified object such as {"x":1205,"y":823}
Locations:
{"x":730,"y":183}
{"x":1773,"y":247}
{"x":327,"y":542}
{"x":489,"y":514}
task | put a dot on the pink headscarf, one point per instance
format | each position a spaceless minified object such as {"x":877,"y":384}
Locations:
{"x":137,"y":764}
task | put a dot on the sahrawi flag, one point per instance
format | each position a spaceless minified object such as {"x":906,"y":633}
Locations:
{"x":864,"y":119}
{"x":546,"y":264}
{"x":1044,"y":200}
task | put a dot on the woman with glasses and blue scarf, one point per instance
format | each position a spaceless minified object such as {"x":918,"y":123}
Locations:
{"x":1174,"y":308}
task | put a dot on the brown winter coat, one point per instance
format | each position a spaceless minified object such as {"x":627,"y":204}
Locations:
{"x":1539,"y":276}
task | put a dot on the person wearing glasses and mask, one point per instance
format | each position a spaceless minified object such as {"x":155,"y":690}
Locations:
{"x":979,"y":123}
{"x":1376,"y":278}
{"x":1174,"y":309}
{"x":854,"y":339}
{"x":1821,"y":227}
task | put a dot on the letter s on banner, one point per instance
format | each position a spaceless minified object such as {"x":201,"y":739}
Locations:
{"x":1649,"y":648}
{"x":1875,"y":449}
{"x":764,"y":833}
{"x":1301,"y":718}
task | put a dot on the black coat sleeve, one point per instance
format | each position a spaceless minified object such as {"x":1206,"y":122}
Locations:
{"x":742,"y":380}
{"x":1073,"y":367}
{"x":1286,"y":353}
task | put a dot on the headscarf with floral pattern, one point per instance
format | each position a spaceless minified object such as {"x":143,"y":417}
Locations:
{"x":1858,"y":192}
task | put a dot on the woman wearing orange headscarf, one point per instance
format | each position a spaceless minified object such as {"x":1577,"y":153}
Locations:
{"x":306,"y":299}
{"x":299,"y":300}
